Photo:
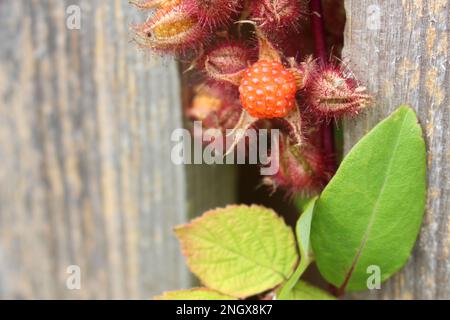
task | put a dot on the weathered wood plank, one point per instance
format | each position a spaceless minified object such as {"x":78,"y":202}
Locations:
{"x":400,"y":49}
{"x":86,"y":177}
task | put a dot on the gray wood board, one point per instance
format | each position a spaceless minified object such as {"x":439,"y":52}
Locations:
{"x":86,"y":177}
{"x":404,"y":59}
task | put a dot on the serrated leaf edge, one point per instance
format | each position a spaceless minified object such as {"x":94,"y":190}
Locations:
{"x":225,"y":210}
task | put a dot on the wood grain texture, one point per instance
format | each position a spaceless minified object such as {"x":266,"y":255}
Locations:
{"x":86,"y":177}
{"x":406,"y":60}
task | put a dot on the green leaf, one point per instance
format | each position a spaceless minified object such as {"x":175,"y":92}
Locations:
{"x":306,"y":291}
{"x":371,"y":211}
{"x":194,"y":294}
{"x":303,"y":230}
{"x":301,"y":201}
{"x":239,"y":250}
{"x":303,"y":238}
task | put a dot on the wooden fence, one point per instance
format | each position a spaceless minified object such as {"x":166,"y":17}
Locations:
{"x":86,"y":177}
{"x":85,"y":124}
{"x":400,"y":49}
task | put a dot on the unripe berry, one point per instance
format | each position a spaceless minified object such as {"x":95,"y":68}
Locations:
{"x":277,"y":16}
{"x":268,"y":90}
{"x":226,"y":59}
{"x":204,"y":103}
{"x":171,"y":30}
{"x":303,"y":169}
{"x":214,"y":13}
{"x":332,"y":91}
{"x":217,"y":107}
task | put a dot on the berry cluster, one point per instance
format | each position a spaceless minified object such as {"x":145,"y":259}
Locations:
{"x":247,"y":78}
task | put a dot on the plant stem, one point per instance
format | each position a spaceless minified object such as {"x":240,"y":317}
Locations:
{"x":293,"y":280}
{"x":317,"y":23}
{"x":320,"y":51}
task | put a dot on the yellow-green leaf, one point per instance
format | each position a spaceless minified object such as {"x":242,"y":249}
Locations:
{"x":194,"y":294}
{"x":306,"y":291}
{"x":239,"y":250}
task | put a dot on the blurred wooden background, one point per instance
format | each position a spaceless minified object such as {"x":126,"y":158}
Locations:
{"x":85,"y":124}
{"x":86,"y":177}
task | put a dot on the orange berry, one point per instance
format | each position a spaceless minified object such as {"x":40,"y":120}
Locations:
{"x":267,"y":90}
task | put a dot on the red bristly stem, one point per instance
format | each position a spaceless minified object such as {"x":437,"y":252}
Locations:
{"x":320,"y":51}
{"x":317,"y":23}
